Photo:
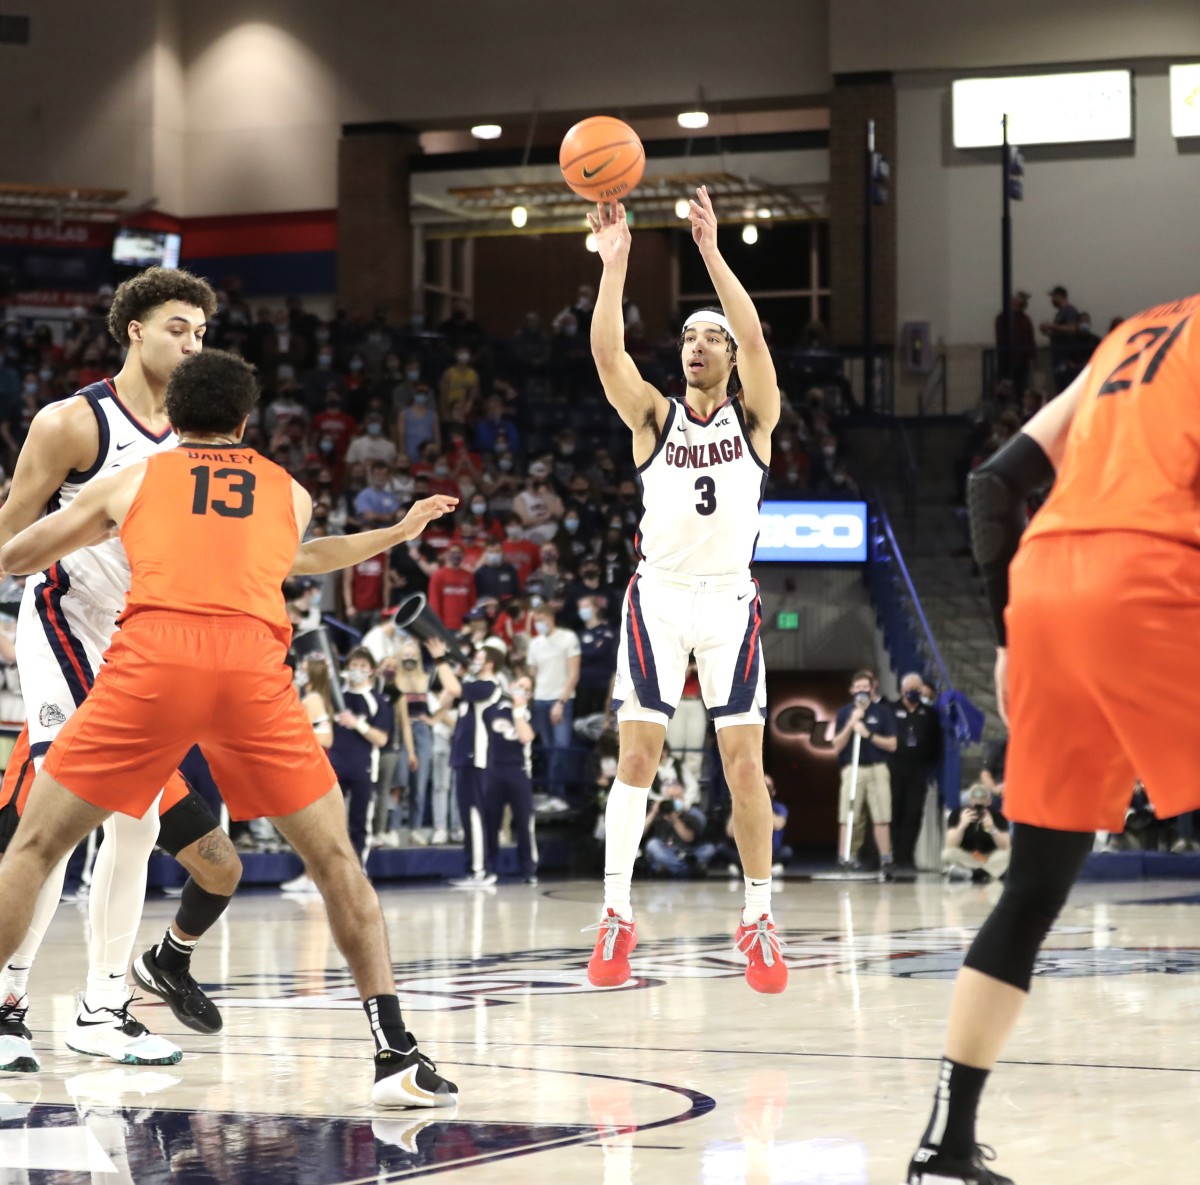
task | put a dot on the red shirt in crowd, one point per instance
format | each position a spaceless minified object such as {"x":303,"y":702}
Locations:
{"x":451,"y":595}
{"x":340,"y":426}
{"x":367,"y":583}
{"x":524,"y":555}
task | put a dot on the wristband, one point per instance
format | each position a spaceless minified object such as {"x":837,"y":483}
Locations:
{"x":362,"y":727}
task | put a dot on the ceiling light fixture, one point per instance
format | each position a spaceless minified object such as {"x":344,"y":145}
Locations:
{"x":682,"y":208}
{"x":590,"y":243}
{"x":693,"y":119}
{"x":486,"y":131}
{"x":519,"y":216}
{"x":749,"y":234}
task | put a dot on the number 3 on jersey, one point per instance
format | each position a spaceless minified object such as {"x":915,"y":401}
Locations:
{"x":707,"y":489}
{"x":240,"y":487}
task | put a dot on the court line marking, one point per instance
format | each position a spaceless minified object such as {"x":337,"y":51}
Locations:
{"x":701,"y":1104}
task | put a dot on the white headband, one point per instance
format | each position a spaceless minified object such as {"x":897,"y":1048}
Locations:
{"x":712,"y":318}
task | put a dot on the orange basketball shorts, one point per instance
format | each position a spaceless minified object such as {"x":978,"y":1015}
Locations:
{"x":19,"y":774}
{"x":1102,"y":679}
{"x":172,"y":680}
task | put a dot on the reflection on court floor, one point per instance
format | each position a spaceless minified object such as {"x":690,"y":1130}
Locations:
{"x":683,"y":1075}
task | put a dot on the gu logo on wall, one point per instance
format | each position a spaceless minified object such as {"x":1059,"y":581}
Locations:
{"x":812,"y":532}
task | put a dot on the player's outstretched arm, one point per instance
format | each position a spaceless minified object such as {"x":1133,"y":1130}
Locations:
{"x":756,"y":370}
{"x":93,"y":515}
{"x":62,"y":437}
{"x":344,"y":551}
{"x":633,"y":397}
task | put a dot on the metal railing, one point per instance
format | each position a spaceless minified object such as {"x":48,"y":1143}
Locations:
{"x":910,"y":642}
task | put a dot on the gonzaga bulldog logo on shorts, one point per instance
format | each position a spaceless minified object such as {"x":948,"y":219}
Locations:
{"x":51,"y":716}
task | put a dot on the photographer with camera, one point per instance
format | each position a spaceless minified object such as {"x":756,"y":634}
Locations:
{"x":978,"y":845}
{"x":674,"y":822}
{"x":868,"y":717}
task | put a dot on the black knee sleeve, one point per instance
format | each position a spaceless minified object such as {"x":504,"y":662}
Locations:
{"x":198,"y":909}
{"x":1044,"y":866}
{"x":185,"y":822}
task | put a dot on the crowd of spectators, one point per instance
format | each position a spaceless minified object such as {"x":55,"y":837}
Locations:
{"x":370,"y":416}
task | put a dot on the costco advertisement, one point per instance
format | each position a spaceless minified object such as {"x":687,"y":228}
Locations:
{"x":812,"y":532}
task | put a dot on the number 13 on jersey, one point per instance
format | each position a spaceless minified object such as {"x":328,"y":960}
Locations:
{"x":236,"y":489}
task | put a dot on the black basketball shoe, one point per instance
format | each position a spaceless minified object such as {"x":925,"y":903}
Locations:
{"x":410,"y":1080}
{"x":184,"y":995}
{"x":930,"y":1167}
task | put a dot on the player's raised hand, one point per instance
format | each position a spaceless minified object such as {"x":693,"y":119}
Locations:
{"x":703,"y":220}
{"x":421,"y":514}
{"x":612,"y":232}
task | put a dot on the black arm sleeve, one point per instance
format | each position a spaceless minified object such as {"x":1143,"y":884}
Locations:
{"x":996,"y":494}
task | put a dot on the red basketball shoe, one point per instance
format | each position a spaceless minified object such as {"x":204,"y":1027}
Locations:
{"x":609,"y":964}
{"x":765,"y":969}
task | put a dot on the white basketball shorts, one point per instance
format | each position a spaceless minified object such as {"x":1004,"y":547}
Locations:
{"x":60,"y":643}
{"x":667,"y":618}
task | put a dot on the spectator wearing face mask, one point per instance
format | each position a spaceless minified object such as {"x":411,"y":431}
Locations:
{"x":568,"y":457}
{"x":500,"y":484}
{"x":398,"y":382}
{"x":537,"y":506}
{"x":578,"y":314}
{"x":572,"y":544}
{"x":496,"y":421}
{"x":581,"y":499}
{"x":548,"y":578}
{"x":918,"y":747}
{"x":322,"y":378}
{"x":452,"y":589}
{"x":458,"y":388}
{"x":553,"y":661}
{"x":598,"y":643}
{"x":588,"y":585}
{"x":627,"y":504}
{"x":366,"y":589}
{"x":466,"y":466}
{"x":488,"y":526}
{"x":615,"y":555}
{"x":494,"y":577}
{"x":336,"y":423}
{"x":789,"y":469}
{"x":442,"y":480}
{"x":360,"y":731}
{"x":418,"y":426}
{"x":377,"y":505}
{"x":280,"y":412}
{"x":522,"y":553}
{"x":372,"y":443}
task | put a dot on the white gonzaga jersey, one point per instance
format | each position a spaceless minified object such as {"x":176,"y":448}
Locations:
{"x":701,"y":491}
{"x":101,"y":573}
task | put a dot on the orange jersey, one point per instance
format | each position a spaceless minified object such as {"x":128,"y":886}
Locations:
{"x":212,"y":532}
{"x":1132,"y":461}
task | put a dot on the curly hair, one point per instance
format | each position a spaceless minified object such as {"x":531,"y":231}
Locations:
{"x":211,"y":392}
{"x":140,"y":295}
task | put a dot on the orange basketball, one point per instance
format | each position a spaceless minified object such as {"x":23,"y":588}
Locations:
{"x":602,"y":159}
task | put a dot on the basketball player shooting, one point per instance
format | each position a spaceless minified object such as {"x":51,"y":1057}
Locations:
{"x":1105,"y":602}
{"x":703,"y":463}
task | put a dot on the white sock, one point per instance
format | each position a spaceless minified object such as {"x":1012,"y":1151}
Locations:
{"x":15,"y":977}
{"x":758,"y":900}
{"x":115,"y":905}
{"x":624,"y":821}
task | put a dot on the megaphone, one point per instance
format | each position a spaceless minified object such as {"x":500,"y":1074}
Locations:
{"x":415,"y":615}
